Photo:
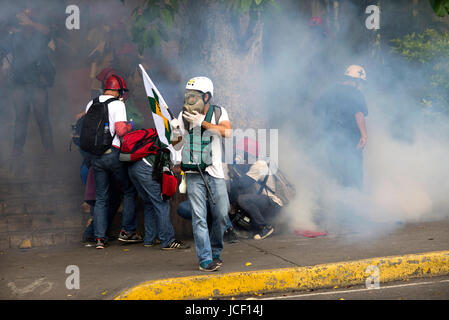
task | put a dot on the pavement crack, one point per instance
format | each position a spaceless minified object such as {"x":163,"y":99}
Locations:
{"x":269,"y":252}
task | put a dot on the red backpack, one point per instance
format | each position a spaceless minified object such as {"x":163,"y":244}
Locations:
{"x":139,"y":144}
{"x":169,"y":185}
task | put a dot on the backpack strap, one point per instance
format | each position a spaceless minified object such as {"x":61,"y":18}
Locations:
{"x":263,"y":185}
{"x":109,"y":100}
{"x":106,"y":111}
{"x":217,"y":112}
{"x":209,"y":114}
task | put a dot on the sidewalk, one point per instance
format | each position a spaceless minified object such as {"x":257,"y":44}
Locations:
{"x":104,"y":274}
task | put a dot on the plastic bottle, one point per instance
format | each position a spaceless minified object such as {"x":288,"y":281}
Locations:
{"x":106,"y":128}
{"x":183,"y":185}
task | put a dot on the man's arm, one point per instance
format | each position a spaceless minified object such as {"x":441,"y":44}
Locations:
{"x":117,"y":111}
{"x":26,"y":21}
{"x":224,"y":128}
{"x":360,"y":119}
{"x":123,"y":127}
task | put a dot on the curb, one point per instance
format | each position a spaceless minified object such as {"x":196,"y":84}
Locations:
{"x":391,"y":268}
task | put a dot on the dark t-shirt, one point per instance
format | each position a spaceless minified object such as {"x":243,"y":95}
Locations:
{"x":337,"y":108}
{"x":29,"y":52}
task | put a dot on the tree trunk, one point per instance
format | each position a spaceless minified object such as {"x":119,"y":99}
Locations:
{"x":336,"y":15}
{"x":317,"y":8}
{"x":375,"y":40}
{"x":233,"y":65}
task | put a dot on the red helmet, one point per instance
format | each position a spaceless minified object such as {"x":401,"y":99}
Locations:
{"x":316,"y":21}
{"x":319,"y":24}
{"x":115,"y":82}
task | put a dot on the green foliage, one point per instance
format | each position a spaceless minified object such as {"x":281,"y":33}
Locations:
{"x":424,"y":47}
{"x":151,"y":23}
{"x":243,"y":6}
{"x":441,"y":7}
{"x":431,"y":50}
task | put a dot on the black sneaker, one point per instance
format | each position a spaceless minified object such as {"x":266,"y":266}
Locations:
{"x":218,"y":261}
{"x":231,"y":236}
{"x":129,"y":237}
{"x":100,"y":244}
{"x":265,"y":232}
{"x":176,"y":245}
{"x":213,"y":266}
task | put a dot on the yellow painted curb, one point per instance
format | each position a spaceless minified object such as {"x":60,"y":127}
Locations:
{"x":276,"y":280}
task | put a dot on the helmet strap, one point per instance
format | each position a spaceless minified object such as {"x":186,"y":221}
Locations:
{"x":209,"y":97}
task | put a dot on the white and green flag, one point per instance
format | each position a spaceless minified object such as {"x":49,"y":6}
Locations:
{"x":158,"y":107}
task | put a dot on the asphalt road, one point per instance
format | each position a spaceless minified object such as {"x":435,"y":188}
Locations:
{"x":418,"y":289}
{"x":41,"y":273}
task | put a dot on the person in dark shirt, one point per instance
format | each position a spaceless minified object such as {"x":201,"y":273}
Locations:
{"x":341,"y":111}
{"x":26,"y":48}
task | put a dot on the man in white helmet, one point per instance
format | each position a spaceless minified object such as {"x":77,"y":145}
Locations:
{"x":342,"y":111}
{"x":201,"y":128}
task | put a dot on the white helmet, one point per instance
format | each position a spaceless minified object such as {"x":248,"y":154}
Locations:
{"x":202,"y":84}
{"x":355,"y":71}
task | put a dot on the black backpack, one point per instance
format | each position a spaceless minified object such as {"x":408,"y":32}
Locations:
{"x":95,"y":137}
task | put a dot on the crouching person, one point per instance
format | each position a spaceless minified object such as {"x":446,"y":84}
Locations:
{"x":198,"y":119}
{"x":261,"y":192}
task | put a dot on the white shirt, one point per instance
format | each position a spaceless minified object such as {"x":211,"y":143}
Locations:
{"x":216,"y":168}
{"x":258,"y":171}
{"x":117,"y":113}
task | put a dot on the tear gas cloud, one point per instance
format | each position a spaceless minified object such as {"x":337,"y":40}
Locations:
{"x":406,"y":174}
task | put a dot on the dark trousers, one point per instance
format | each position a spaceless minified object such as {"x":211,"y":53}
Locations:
{"x":260,"y":208}
{"x":346,"y":165}
{"x":27,"y":97}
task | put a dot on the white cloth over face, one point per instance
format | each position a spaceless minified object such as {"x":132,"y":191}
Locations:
{"x":258,"y":172}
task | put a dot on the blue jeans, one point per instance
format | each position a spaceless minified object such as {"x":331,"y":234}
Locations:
{"x":185,"y":212}
{"x":207,"y":246}
{"x":107,"y":167}
{"x":156,"y":211}
{"x":260,"y":208}
{"x":114,"y":205}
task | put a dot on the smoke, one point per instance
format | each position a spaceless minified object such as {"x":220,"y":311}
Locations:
{"x":405,"y":172}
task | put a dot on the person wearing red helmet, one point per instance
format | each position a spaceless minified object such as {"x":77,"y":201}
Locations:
{"x":107,"y":166}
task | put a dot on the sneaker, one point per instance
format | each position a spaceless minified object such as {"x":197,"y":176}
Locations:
{"x":265,"y":232}
{"x":129,"y":237}
{"x":231,"y":236}
{"x":209,"y":267}
{"x":218,"y":261}
{"x":100,"y":244}
{"x":176,"y":245}
{"x":154,"y":243}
